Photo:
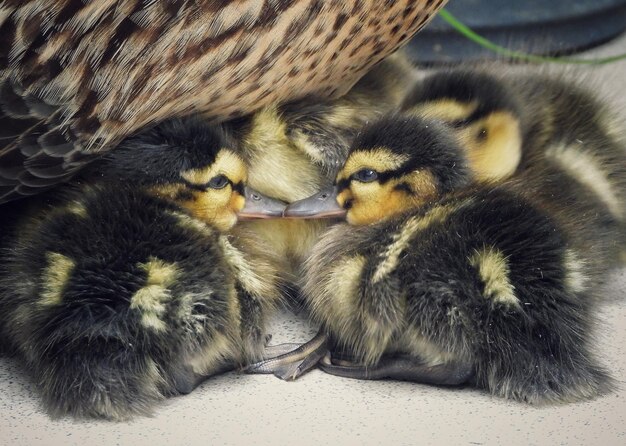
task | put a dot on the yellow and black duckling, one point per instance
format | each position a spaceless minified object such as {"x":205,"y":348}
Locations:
{"x":508,"y":120}
{"x":438,"y":280}
{"x":549,"y":131}
{"x":295,"y":149}
{"x":129,"y":290}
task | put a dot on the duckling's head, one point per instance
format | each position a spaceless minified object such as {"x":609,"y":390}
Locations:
{"x":483,"y":113}
{"x":394,"y":165}
{"x":194,"y":165}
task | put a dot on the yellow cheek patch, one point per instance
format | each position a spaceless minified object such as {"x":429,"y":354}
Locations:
{"x":493,"y":145}
{"x":226,"y":163}
{"x":373,"y":202}
{"x":344,"y":196}
{"x":167,"y":191}
{"x":447,"y":110}
{"x":378,"y":159}
{"x":237,"y":202}
{"x":423,"y":184}
{"x":215,"y":206}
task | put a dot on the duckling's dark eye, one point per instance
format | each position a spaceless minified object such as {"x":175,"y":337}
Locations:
{"x":482,"y":134}
{"x":365,"y":175}
{"x":218,"y":182}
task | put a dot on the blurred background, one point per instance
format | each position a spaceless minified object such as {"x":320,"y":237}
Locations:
{"x":556,"y":27}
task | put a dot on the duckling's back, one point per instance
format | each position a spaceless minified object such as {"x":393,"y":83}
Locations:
{"x":574,"y":159}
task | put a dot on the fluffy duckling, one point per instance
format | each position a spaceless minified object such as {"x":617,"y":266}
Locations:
{"x":129,"y":289}
{"x":508,"y":121}
{"x":295,"y":149}
{"x":547,"y":130}
{"x":439,"y":281}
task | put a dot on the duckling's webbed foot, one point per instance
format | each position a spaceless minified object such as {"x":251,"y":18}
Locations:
{"x":290,"y":361}
{"x":405,"y":368}
{"x":185,"y":380}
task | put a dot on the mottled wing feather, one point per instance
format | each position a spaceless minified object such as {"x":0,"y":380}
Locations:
{"x":78,"y":76}
{"x":42,"y":151}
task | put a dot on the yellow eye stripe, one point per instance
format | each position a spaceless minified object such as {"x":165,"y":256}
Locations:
{"x":447,"y":110}
{"x":379,"y":159}
{"x":227,"y":163}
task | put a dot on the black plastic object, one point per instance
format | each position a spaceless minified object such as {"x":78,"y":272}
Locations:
{"x":543,"y":27}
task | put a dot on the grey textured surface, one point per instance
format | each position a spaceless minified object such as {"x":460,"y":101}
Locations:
{"x":317,"y":409}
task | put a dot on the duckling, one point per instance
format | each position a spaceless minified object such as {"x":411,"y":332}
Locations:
{"x":533,"y":126}
{"x":443,"y":279}
{"x":295,"y":149}
{"x":77,"y":77}
{"x":129,"y":288}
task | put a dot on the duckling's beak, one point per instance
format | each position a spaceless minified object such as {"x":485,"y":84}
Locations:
{"x":259,"y":206}
{"x":321,"y":205}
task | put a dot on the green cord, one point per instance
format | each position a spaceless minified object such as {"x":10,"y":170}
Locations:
{"x":480,"y":40}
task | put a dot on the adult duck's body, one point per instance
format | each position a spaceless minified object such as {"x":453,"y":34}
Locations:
{"x":77,"y":77}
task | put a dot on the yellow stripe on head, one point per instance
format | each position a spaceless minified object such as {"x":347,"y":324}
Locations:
{"x":226,"y":163}
{"x":380,"y":159}
{"x":447,"y":110}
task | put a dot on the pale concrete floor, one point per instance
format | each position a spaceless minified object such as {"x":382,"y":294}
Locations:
{"x":255,"y":409}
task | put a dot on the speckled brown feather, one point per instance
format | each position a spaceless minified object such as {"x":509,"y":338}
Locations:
{"x":76,"y":77}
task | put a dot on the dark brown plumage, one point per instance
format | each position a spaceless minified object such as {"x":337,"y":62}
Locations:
{"x":77,"y":77}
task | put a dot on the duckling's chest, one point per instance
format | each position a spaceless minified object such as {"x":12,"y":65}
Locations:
{"x":280,"y":170}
